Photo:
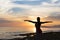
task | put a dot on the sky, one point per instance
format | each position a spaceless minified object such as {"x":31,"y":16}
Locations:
{"x":14,"y":12}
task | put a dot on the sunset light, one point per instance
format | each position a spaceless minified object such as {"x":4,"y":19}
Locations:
{"x":34,"y":29}
{"x":29,"y":16}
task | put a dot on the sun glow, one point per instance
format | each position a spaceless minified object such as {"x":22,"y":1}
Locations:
{"x":34,"y":30}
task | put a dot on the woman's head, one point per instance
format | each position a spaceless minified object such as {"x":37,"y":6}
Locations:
{"x":38,"y":19}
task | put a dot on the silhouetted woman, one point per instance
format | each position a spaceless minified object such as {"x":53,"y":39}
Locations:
{"x":37,"y":26}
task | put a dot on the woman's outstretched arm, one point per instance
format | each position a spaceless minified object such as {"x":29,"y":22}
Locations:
{"x":46,"y":22}
{"x":30,"y":21}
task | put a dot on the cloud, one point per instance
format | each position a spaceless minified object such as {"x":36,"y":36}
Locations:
{"x":10,"y":23}
{"x":30,"y":8}
{"x":53,"y":26}
{"x":57,"y":1}
{"x":27,"y":2}
{"x":16,"y":10}
{"x":53,"y":1}
{"x":2,"y":20}
{"x":5,"y":23}
{"x":38,"y":2}
{"x":32,"y":2}
{"x":33,"y":11}
{"x":6,"y":5}
{"x":54,"y":16}
{"x":14,"y":25}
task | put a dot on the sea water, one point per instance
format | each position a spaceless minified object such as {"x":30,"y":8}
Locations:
{"x":9,"y":32}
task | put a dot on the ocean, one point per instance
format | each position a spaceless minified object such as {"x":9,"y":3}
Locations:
{"x":10,"y":32}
